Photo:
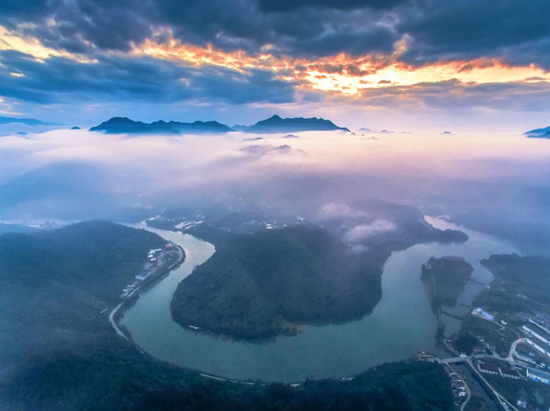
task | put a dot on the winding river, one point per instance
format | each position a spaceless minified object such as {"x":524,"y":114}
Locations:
{"x":401,"y":325}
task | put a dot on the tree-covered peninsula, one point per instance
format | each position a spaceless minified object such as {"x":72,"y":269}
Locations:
{"x":268,"y":282}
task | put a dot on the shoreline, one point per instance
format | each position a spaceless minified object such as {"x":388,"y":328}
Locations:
{"x":130,"y":297}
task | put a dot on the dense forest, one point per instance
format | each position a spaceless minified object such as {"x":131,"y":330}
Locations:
{"x":530,"y":274}
{"x":58,"y":352}
{"x":53,"y":284}
{"x":113,"y":375}
{"x":445,"y":278}
{"x":264,"y":283}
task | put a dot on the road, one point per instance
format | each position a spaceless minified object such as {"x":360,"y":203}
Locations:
{"x":513,"y":348}
{"x":112,"y":317}
{"x":467,"y":388}
{"x":113,"y":313}
{"x":499,"y":397}
{"x":509,"y":359}
{"x":454,"y":360}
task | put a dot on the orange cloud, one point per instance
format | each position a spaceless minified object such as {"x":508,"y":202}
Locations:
{"x":13,"y":40}
{"x":344,"y":73}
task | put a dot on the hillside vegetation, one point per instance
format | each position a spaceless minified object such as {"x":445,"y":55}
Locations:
{"x":445,"y":279}
{"x":265,"y":283}
{"x":117,"y":377}
{"x":530,"y":274}
{"x":53,"y":284}
{"x":59,"y":353}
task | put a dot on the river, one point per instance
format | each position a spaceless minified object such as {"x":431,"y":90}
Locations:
{"x":401,"y":325}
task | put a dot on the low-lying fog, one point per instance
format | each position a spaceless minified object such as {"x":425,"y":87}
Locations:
{"x":495,"y":183}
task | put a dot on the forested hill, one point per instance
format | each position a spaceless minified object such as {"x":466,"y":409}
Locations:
{"x":528,"y":274}
{"x":53,"y":284}
{"x":58,"y":353}
{"x":96,"y":256}
{"x":265,"y":283}
{"x":445,"y":278}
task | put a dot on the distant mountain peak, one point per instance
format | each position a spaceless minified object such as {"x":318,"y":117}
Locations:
{"x":26,"y":121}
{"x":539,"y":132}
{"x":273,"y":124}
{"x":124,"y":125}
{"x":277,"y":124}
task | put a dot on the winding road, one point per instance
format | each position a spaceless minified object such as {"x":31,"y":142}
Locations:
{"x":119,"y":306}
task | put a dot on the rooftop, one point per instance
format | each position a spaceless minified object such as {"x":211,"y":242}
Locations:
{"x":538,"y":373}
{"x":510,"y":372}
{"x":536,"y":328}
{"x":487,"y":367}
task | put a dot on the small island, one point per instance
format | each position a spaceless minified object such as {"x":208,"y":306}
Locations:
{"x":269,"y":282}
{"x":445,"y":278}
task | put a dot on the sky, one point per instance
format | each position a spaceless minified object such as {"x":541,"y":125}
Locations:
{"x":400,"y":64}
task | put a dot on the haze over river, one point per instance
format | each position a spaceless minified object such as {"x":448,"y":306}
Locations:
{"x":401,"y":325}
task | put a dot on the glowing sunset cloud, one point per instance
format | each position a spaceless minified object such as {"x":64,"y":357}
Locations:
{"x":344,"y":73}
{"x":10,"y":40}
{"x":236,"y":57}
{"x":398,"y":75}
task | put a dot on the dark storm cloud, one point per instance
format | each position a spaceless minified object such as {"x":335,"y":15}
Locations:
{"x":515,"y":31}
{"x":81,"y":25}
{"x":60,"y":79}
{"x":452,"y":29}
{"x":467,"y":29}
{"x":285,"y":5}
{"x":24,"y":10}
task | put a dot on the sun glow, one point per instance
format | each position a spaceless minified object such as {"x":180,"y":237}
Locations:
{"x":475,"y":72}
{"x":344,"y":73}
{"x":13,"y":40}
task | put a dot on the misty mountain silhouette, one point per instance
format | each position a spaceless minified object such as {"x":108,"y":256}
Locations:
{"x":26,"y":121}
{"x":539,"y":132}
{"x":123,"y":125}
{"x":274,"y":124}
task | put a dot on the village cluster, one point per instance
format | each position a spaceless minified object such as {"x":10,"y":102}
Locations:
{"x":156,"y":259}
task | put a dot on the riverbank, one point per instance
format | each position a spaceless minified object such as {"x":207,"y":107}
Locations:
{"x":114,"y":315}
{"x":401,"y":325}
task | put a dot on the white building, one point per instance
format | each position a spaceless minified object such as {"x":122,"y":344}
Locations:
{"x":538,"y":347}
{"x":484,"y":314}
{"x":509,"y":374}
{"x":539,"y":325}
{"x":487,"y":369}
{"x":521,"y":355}
{"x":536,"y":332}
{"x":538,"y":376}
{"x":143,"y":276}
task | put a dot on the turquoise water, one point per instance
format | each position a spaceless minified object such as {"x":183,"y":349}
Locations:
{"x":401,"y":325}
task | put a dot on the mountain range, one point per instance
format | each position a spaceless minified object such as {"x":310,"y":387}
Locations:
{"x":26,"y":121}
{"x":274,"y":124}
{"x":123,"y":125}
